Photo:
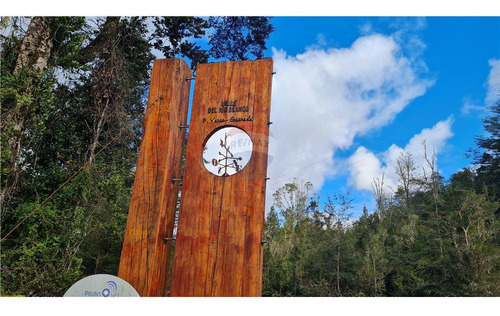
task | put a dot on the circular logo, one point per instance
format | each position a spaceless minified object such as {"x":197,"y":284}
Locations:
{"x":227,"y":151}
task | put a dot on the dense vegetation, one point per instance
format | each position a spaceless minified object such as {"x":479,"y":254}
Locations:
{"x":429,"y":238}
{"x":73,"y":94}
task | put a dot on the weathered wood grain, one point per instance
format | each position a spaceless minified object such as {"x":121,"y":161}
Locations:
{"x":221,"y":219}
{"x":145,"y":255}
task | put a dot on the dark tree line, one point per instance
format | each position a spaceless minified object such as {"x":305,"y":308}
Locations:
{"x":430,"y":238}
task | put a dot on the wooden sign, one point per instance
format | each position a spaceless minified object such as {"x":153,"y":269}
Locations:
{"x":221,"y":219}
{"x":146,"y":248}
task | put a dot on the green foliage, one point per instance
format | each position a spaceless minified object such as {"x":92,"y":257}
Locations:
{"x":239,"y":37}
{"x":171,"y":33}
{"x":230,"y":37}
{"x":488,"y":172}
{"x":444,"y":248}
{"x":68,"y":40}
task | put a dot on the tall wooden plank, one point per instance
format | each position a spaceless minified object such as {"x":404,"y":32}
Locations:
{"x":221,"y":219}
{"x":145,"y":254}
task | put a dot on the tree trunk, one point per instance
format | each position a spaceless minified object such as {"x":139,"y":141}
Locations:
{"x":36,"y":46}
{"x":34,"y":54}
{"x":374,"y":275}
{"x":338,"y":269}
{"x":97,"y":133}
{"x":98,"y":46}
{"x":466,"y":235}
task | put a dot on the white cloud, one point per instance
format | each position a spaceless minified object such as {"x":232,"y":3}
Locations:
{"x":321,"y":39}
{"x":366,"y":28}
{"x":363,"y":177}
{"x":493,"y":90}
{"x":493,"y":82}
{"x":320,"y":42}
{"x":323,"y":98}
{"x":468,"y":107}
{"x":364,"y":165}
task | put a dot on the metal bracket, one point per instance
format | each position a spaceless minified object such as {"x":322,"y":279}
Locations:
{"x":183,"y":126}
{"x":188,"y":79}
{"x":273,"y":73}
{"x":269,"y":123}
{"x":174,"y":179}
{"x":267,"y":178}
{"x":168,"y":239}
{"x":264,"y":242}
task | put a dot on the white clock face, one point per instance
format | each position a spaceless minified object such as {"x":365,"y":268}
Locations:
{"x":227,"y":151}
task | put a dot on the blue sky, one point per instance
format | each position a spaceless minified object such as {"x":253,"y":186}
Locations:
{"x":352,"y":93}
{"x":441,"y":66}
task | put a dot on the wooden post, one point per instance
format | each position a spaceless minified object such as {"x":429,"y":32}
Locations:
{"x":221,"y":219}
{"x":145,"y":254}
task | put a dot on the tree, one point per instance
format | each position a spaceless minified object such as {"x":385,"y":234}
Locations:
{"x":472,"y":227}
{"x":230,"y":37}
{"x":405,"y":169}
{"x":382,"y":198}
{"x":239,"y":37}
{"x":337,"y":219}
{"x":25,"y":89}
{"x":433,"y":183}
{"x":488,"y":162}
{"x":292,"y":201}
{"x":56,"y":140}
{"x":291,"y":241}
